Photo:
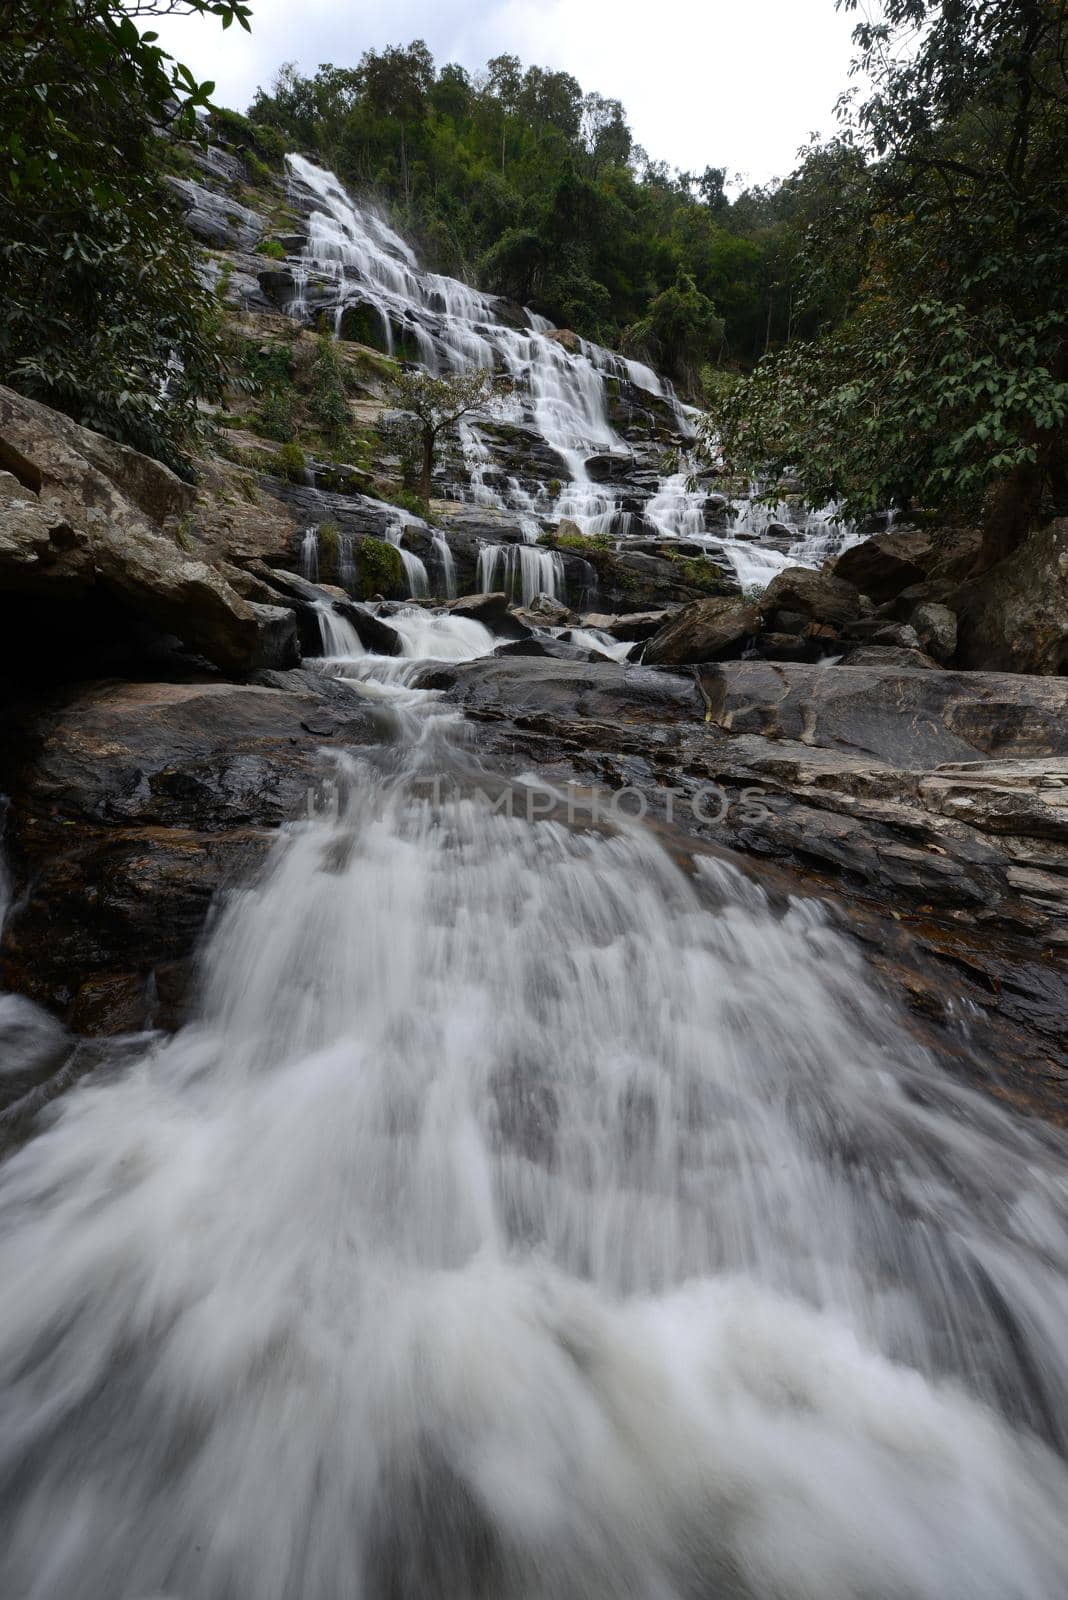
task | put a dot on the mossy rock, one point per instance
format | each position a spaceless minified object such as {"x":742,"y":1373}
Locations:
{"x":362,"y":324}
{"x":698,"y":573}
{"x":379,"y":570}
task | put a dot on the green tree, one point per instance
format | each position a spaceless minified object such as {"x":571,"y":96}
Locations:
{"x":434,"y":406}
{"x":104,"y":315}
{"x":946,"y":383}
{"x":395,"y":82}
{"x":681,"y":331}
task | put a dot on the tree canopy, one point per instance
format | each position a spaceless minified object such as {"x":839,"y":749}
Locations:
{"x":104,"y":315}
{"x":945,"y":382}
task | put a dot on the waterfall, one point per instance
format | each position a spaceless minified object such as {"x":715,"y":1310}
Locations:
{"x":309,"y":555}
{"x":447,"y":564}
{"x":522,"y":571}
{"x":340,"y":639}
{"x":524,"y":1216}
{"x":561,"y":390}
{"x":346,"y":562}
{"x":415,"y":572}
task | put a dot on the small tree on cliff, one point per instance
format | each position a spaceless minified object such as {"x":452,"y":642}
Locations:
{"x":434,"y":406}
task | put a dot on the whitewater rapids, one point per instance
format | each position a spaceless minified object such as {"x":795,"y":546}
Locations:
{"x":524,"y":1218}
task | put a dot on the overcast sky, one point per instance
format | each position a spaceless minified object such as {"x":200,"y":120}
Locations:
{"x":728,"y":83}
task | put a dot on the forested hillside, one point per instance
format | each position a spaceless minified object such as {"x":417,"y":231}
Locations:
{"x":522,"y":181}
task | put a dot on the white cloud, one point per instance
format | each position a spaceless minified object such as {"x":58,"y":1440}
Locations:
{"x":734,"y":83}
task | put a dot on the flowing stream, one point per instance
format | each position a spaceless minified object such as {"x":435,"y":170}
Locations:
{"x":524,"y":1218}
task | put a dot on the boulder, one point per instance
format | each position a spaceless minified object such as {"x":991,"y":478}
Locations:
{"x":549,"y":649}
{"x":81,"y":530}
{"x":787,"y":647}
{"x":704,"y":631}
{"x":886,"y":563}
{"x":1014,"y":618}
{"x":638,"y":625}
{"x":279,"y":645}
{"x":543,"y":612}
{"x":493,"y":611}
{"x":886,"y":655}
{"x":936,"y":627}
{"x":374,"y":634}
{"x":818,"y":596}
{"x":875,"y":630}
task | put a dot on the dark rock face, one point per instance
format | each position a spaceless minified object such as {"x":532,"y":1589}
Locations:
{"x":817,"y":596}
{"x":132,"y":805}
{"x":1014,"y":618}
{"x":704,"y":631}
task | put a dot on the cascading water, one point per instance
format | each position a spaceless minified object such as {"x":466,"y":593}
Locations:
{"x":525,"y":1218}
{"x":415,"y":572}
{"x":309,"y":555}
{"x":560,"y":390}
{"x":521,"y":571}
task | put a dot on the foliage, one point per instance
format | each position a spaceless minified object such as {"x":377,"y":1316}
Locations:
{"x":289,"y":462}
{"x":433,"y":406}
{"x":681,"y":331}
{"x":327,"y":402}
{"x":272,"y":249}
{"x":946,"y":384}
{"x":104,"y":315}
{"x":275,"y":418}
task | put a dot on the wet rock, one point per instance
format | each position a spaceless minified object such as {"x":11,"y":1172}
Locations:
{"x":1014,"y":618}
{"x":609,"y":467}
{"x":132,"y":806}
{"x":817,"y":596}
{"x":279,"y":645}
{"x":704,"y":631}
{"x":374,"y":634}
{"x":909,"y":718}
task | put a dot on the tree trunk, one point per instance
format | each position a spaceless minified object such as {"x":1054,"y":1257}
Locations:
{"x":427,"y":470}
{"x":1011,"y":511}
